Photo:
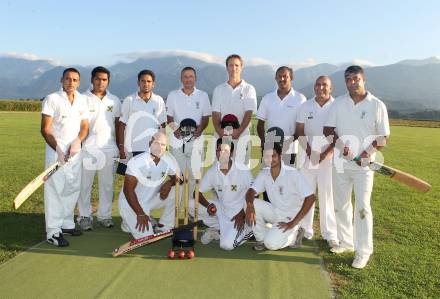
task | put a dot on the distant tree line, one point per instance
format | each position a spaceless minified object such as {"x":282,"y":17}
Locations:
{"x":425,"y":115}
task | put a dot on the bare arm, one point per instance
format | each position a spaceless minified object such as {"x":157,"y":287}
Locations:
{"x":216,"y":121}
{"x":261,"y":131}
{"x":307,"y":205}
{"x":120,"y":137}
{"x":84,"y":129}
{"x":244,"y":124}
{"x":303,"y":142}
{"x":203,"y":124}
{"x":130,"y":184}
{"x":117,"y":130}
{"x":46,"y":131}
{"x":166,"y":187}
{"x":250,"y":210}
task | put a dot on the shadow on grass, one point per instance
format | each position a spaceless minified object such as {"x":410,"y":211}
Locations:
{"x":19,"y":231}
{"x":100,"y":242}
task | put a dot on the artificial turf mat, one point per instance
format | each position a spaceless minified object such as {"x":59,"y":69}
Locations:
{"x":86,"y":269}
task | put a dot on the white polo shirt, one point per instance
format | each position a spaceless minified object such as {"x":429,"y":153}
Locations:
{"x":193,"y":106}
{"x":287,"y":192}
{"x":281,"y":113}
{"x":142,"y":120}
{"x":102,"y":114}
{"x":66,"y":117}
{"x":237,"y":101}
{"x":363,"y":122}
{"x":313,"y":116}
{"x":149,"y":175}
{"x":230,"y":188}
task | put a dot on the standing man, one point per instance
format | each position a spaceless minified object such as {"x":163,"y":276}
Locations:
{"x":238,"y":98}
{"x":146,"y":188}
{"x":290,"y":200}
{"x":317,"y":167}
{"x":225,"y":215}
{"x":185,"y":106}
{"x":100,"y":145}
{"x":143,"y":113}
{"x":279,"y":109}
{"x":64,"y":125}
{"x":358,"y":125}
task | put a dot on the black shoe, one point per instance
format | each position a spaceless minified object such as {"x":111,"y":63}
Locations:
{"x":71,"y":231}
{"x":58,"y":240}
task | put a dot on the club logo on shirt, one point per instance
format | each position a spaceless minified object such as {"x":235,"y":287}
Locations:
{"x":154,"y":111}
{"x":280,"y":189}
{"x":233,"y":187}
{"x":149,"y":175}
{"x":109,"y":108}
{"x":310,"y":115}
{"x":219,"y":188}
{"x":363,"y":114}
{"x":241,"y":96}
{"x":197,"y":105}
{"x":162,"y":174}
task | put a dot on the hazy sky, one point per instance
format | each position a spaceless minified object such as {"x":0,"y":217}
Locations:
{"x":282,"y":32}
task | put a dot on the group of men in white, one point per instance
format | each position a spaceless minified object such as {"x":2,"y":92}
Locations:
{"x":94,"y":131}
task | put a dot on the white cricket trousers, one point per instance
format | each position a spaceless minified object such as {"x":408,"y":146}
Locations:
{"x":273,"y":238}
{"x":230,"y":237}
{"x":103,"y":163}
{"x":130,"y":219}
{"x":362,"y":183}
{"x":320,"y":177}
{"x":188,"y":157}
{"x":61,"y":193}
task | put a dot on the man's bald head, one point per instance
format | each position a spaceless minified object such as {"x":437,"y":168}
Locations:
{"x":158,"y":144}
{"x":323,"y":88}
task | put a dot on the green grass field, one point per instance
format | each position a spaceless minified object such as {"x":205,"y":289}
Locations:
{"x":405,"y":263}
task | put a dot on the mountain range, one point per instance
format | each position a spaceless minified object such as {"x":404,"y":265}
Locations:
{"x":406,"y":86}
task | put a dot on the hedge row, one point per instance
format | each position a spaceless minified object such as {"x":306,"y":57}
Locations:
{"x":20,"y":105}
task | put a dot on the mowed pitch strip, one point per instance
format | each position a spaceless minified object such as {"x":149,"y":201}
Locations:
{"x":87,"y":269}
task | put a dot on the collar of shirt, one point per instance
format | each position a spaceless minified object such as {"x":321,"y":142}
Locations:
{"x":184,"y":94}
{"x":282,"y":171}
{"x":63,"y":94}
{"x":230,"y":170}
{"x":367,"y":98}
{"x":241,"y":85}
{"x":290,"y":95}
{"x":137,"y":97}
{"x":91,"y":94}
{"x":325,"y":105}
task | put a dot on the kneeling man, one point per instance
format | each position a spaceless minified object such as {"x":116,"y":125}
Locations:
{"x":145,"y":189}
{"x":224,"y":215}
{"x":290,"y":199}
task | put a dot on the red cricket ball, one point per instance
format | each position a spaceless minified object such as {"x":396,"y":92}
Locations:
{"x":212,"y":209}
{"x":171,"y":254}
{"x":190,"y":254}
{"x":181,"y":254}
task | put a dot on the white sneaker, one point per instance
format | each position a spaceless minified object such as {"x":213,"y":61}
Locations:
{"x":259,"y":246}
{"x":86,"y":223}
{"x":341,"y":249}
{"x":333,"y":243}
{"x":360,"y":261}
{"x":108,"y":223}
{"x":209,"y":235}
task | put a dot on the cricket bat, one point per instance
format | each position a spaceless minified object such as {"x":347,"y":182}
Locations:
{"x":136,"y":243}
{"x":35,"y":184}
{"x":399,"y":176}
